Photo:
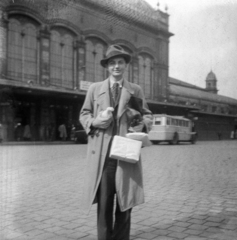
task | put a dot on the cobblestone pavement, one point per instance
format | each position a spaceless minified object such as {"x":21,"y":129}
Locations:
{"x":191,"y":193}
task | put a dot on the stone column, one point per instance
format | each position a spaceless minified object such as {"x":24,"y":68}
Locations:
{"x":3,"y":43}
{"x":156,"y":82}
{"x":135,"y":69}
{"x":44,"y":56}
{"x":81,"y":67}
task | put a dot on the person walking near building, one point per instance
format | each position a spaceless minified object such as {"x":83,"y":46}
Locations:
{"x":107,"y":177}
{"x":27,"y":133}
{"x":1,"y":133}
{"x":62,"y":132}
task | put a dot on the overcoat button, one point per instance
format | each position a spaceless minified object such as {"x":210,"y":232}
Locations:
{"x":93,"y":152}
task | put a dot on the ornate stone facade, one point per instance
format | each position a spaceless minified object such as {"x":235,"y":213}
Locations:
{"x":52,"y":55}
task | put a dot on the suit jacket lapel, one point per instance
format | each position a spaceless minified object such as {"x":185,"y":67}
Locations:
{"x":104,"y":95}
{"x":126,"y":93}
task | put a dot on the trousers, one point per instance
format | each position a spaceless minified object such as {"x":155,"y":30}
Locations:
{"x":109,"y":228}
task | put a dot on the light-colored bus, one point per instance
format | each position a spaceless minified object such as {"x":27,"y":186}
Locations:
{"x":172,"y":129}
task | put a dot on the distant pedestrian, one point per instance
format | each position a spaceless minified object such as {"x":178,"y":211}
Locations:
{"x":62,"y":132}
{"x":18,"y":131}
{"x":1,"y":133}
{"x":27,"y":132}
{"x":232,"y":135}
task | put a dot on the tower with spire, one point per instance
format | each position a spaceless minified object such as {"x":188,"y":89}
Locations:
{"x":211,"y":82}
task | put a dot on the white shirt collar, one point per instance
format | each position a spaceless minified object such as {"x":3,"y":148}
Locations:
{"x":120,"y":82}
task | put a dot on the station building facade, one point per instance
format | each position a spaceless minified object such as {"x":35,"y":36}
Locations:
{"x":50,"y":53}
{"x":215,"y":116}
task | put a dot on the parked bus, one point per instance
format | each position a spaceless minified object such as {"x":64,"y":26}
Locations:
{"x":172,"y":129}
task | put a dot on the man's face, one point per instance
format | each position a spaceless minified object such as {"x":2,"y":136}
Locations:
{"x":116,"y":67}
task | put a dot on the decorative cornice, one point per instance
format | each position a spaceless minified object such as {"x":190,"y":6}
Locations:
{"x":151,"y":26}
{"x":24,"y":10}
{"x":57,"y":22}
{"x":96,"y":34}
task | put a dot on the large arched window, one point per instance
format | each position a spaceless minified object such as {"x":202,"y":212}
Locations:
{"x":22,"y":50}
{"x":141,"y":71}
{"x":61,"y":59}
{"x":30,"y":46}
{"x":94,"y":53}
{"x":146,"y":74}
{"x":128,"y":73}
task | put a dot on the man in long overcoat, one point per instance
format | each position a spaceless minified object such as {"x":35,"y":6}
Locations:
{"x":106,"y":177}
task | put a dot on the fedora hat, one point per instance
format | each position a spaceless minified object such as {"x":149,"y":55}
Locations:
{"x":115,"y":51}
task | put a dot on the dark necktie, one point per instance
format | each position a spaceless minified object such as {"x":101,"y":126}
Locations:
{"x":115,"y":91}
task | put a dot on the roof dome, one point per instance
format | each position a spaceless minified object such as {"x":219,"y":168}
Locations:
{"x":211,"y":76}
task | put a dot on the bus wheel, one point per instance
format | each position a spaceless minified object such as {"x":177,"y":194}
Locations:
{"x":175,"y":139}
{"x":155,"y":142}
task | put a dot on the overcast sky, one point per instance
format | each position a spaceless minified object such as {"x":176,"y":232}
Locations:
{"x":205,"y":39}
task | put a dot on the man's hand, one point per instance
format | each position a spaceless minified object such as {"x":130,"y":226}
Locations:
{"x":102,"y":122}
{"x":148,"y":121}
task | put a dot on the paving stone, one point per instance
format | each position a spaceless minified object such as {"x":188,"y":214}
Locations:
{"x":176,"y":229}
{"x":195,"y":238}
{"x":64,"y":232}
{"x":77,"y":235}
{"x":197,"y":221}
{"x":182,"y":224}
{"x":147,"y":222}
{"x":53,"y":229}
{"x":215,"y":219}
{"x":178,"y":235}
{"x":89,"y":237}
{"x":213,"y":230}
{"x":160,"y":232}
{"x":211,"y":224}
{"x":192,"y":232}
{"x":197,"y":227}
{"x":167,"y":226}
{"x":52,"y":237}
{"x":165,"y":238}
{"x":71,"y":226}
{"x":12,"y":235}
{"x":147,"y":236}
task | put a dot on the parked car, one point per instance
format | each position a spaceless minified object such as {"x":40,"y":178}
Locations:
{"x":80,"y":135}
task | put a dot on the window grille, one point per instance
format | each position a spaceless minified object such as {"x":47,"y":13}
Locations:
{"x":146,"y":75}
{"x":22,"y":51}
{"x":94,"y":53}
{"x":61,"y":60}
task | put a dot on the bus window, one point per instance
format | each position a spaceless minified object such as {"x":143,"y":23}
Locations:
{"x":179,"y":122}
{"x":168,"y":121}
{"x":157,"y":121}
{"x":186,"y":123}
{"x":173,"y":121}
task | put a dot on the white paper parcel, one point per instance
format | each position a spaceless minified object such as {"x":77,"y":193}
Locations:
{"x":125,"y":149}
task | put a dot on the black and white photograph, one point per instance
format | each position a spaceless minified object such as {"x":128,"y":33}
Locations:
{"x":118,"y":120}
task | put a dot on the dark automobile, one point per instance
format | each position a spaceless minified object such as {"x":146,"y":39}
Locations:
{"x":80,"y":135}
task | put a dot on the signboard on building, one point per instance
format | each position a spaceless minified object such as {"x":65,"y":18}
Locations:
{"x":84,"y":85}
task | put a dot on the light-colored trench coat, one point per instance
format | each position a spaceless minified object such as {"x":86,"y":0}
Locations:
{"x":129,"y":182}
